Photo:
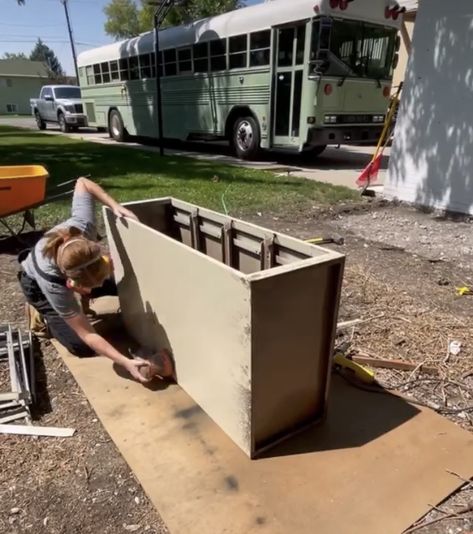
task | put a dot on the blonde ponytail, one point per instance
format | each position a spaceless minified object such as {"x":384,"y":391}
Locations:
{"x":56,"y":239}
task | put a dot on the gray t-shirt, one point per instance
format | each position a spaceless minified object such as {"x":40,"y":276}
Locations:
{"x":60,"y":297}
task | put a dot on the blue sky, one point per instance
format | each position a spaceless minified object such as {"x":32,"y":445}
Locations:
{"x":20,"y":26}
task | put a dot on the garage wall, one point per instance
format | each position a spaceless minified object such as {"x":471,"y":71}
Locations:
{"x":432,"y":156}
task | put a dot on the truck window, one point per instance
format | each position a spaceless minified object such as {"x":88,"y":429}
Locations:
{"x":45,"y":91}
{"x":67,"y":92}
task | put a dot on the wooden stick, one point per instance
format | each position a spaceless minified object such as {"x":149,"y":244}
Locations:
{"x":355,"y":322}
{"x":37,"y":430}
{"x":465,"y":480}
{"x":400,"y":365}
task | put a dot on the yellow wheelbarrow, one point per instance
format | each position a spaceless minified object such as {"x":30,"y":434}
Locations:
{"x":23,"y":188}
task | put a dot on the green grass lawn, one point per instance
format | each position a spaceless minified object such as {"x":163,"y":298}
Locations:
{"x":130,"y":174}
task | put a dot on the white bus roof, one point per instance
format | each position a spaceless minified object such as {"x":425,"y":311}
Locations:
{"x":241,"y":21}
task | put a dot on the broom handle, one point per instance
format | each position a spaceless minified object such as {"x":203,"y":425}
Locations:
{"x":383,"y":140}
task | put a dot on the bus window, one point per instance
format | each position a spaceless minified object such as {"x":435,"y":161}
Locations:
{"x":134,"y":68}
{"x":300,"y":36}
{"x":153,"y":64}
{"x":170,"y":64}
{"x":184,"y":60}
{"x":90,"y":75}
{"x":145,"y":66}
{"x":97,"y":74}
{"x":201,"y":57}
{"x":260,"y":43}
{"x":286,"y":47}
{"x":238,"y":47}
{"x":358,"y":49}
{"x":124,"y":73}
{"x":105,"y":67}
{"x":218,"y":54}
{"x":114,"y":72}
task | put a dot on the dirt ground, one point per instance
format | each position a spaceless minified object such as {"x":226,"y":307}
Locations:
{"x":402,"y":270}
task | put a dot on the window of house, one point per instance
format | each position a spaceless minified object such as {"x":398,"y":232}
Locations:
{"x":124,"y":72}
{"x":184,"y":60}
{"x":201,"y":57}
{"x":9,"y":82}
{"x":238,"y":52}
{"x":260,"y":45}
{"x":12,"y":108}
{"x":114,"y":71}
{"x":105,"y":68}
{"x":170,"y":63}
{"x":145,"y":66}
{"x":218,"y":54}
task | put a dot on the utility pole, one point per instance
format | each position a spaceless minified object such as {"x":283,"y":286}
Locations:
{"x":157,"y":66}
{"x":73,"y":48}
{"x":162,"y":8}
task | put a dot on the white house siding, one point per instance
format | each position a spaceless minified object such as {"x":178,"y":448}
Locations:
{"x":432,"y":156}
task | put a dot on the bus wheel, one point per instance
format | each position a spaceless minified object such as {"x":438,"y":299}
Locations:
{"x":116,"y":127}
{"x":246,"y":137}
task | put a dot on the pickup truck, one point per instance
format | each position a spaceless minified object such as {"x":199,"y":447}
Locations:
{"x":60,"y":104}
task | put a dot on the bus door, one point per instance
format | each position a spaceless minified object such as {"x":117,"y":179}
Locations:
{"x":288,"y":72}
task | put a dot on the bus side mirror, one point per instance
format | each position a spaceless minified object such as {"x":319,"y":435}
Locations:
{"x":320,"y":66}
{"x":398,"y":43}
{"x":396,"y":61}
{"x":321,"y":63}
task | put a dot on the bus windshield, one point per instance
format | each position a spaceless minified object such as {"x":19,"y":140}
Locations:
{"x":67,"y":92}
{"x":358,"y":49}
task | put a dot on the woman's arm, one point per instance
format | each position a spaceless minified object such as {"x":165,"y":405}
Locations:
{"x":101,"y":346}
{"x":87,"y":186}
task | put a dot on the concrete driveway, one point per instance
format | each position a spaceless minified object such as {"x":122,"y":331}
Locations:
{"x":337,"y":166}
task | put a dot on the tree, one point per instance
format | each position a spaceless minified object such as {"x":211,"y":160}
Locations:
{"x":42,"y":52}
{"x":122,"y":19}
{"x":126,"y":18}
{"x":14,"y":55}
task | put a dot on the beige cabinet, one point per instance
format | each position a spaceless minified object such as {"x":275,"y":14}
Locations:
{"x":249,"y":314}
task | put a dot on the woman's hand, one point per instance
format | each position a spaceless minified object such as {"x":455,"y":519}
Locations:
{"x":134,"y":368}
{"x":121,"y":211}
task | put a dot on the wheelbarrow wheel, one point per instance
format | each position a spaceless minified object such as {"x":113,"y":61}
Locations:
{"x":39,"y":121}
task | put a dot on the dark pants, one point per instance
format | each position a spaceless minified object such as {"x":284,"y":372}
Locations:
{"x":58,"y":328}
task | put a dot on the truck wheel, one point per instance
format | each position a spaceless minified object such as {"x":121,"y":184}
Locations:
{"x":39,"y":121}
{"x":246,"y":137}
{"x":65,"y":128}
{"x":116,"y":127}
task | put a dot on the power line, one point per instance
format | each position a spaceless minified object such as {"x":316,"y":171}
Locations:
{"x":32,"y":25}
{"x":33,"y":41}
{"x":26,"y":36}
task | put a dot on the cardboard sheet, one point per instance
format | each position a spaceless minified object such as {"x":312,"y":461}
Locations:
{"x":374,"y":466}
